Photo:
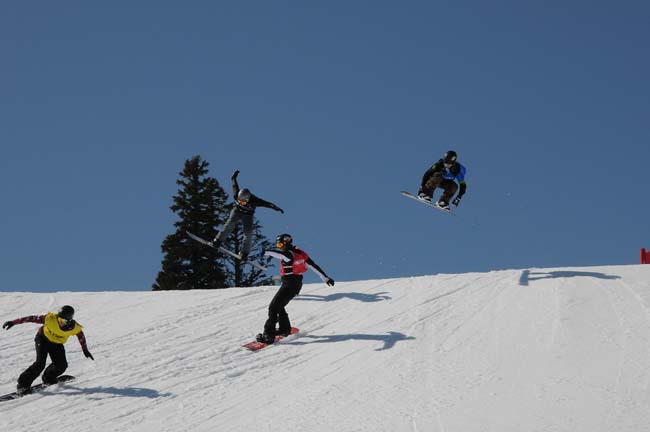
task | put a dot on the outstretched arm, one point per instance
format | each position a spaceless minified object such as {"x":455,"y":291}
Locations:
{"x":319,"y":271}
{"x":38,"y":319}
{"x":259,"y":202}
{"x":284,"y":256}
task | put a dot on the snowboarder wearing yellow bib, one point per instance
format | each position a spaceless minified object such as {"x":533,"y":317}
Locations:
{"x":57,"y":328}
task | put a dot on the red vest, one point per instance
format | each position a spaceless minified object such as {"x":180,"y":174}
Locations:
{"x":296,"y":266}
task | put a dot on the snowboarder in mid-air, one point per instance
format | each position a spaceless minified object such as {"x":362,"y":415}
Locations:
{"x":244,"y":211}
{"x":56,"y":329}
{"x":293,"y":263}
{"x":447,"y":174}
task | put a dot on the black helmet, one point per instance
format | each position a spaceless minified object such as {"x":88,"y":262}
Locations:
{"x":66,"y":312}
{"x":450,"y":157}
{"x":244,"y":195}
{"x":284,"y":241}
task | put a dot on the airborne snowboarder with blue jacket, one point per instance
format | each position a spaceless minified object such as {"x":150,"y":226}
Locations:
{"x":446,"y":174}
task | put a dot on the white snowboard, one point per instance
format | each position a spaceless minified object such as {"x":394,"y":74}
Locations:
{"x":430,"y":204}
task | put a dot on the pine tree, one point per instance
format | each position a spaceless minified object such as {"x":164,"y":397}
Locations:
{"x":201,"y":206}
{"x":244,"y":275}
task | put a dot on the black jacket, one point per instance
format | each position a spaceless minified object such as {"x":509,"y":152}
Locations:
{"x":253,"y":203}
{"x":456,"y":171}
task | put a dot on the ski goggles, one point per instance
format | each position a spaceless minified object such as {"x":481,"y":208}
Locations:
{"x":64,"y":321}
{"x":242,"y":202}
{"x":279,"y":244}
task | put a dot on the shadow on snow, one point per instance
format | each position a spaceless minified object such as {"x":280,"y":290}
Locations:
{"x":389,"y":339}
{"x":527,"y":275}
{"x":135,"y":392}
{"x":362,"y":297}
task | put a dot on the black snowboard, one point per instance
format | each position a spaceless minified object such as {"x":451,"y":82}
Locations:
{"x":36,"y":388}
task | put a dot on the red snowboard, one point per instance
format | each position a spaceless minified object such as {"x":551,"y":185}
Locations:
{"x":255,"y":345}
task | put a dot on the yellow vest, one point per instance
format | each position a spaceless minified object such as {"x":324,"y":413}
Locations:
{"x":53,"y":332}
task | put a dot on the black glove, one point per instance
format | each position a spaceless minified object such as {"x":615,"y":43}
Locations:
{"x":88,"y":355}
{"x":456,"y":201}
{"x":235,"y":174}
{"x":330,"y":282}
{"x":279,"y":209}
{"x":7,"y":325}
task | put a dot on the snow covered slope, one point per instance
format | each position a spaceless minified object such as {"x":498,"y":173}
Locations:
{"x":518,"y":350}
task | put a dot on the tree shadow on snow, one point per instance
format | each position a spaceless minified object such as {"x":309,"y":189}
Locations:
{"x":134,"y":392}
{"x":367,"y":298}
{"x":389,"y":339}
{"x":527,"y":275}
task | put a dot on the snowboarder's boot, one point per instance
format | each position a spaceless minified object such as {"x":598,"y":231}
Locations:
{"x":21,"y":390}
{"x":284,"y":332}
{"x":424,"y":197}
{"x":265,"y":338}
{"x":443,"y":204}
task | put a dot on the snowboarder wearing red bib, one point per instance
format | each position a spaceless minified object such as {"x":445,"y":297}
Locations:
{"x":55,"y":331}
{"x":293,"y":263}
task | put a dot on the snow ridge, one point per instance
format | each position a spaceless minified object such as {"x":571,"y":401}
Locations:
{"x":514,"y":350}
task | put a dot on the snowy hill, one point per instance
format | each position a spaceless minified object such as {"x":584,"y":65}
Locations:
{"x":519,"y":350}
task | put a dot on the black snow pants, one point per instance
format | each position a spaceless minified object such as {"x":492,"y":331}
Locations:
{"x":437,"y":181}
{"x":58,"y":366}
{"x":291,"y":285}
{"x":247,"y":220}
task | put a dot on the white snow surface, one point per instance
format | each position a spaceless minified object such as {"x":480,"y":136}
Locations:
{"x":565,"y":349}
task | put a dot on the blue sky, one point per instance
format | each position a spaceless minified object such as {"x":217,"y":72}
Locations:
{"x":329,"y":109}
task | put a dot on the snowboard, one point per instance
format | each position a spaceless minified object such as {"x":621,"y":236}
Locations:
{"x":36,"y":388}
{"x":430,"y":204}
{"x":256,"y":346}
{"x":224,"y":250}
